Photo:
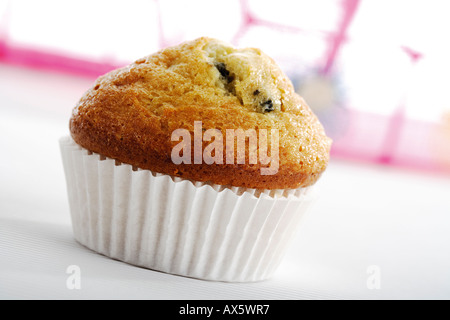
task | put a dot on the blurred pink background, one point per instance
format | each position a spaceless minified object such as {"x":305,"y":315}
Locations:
{"x":375,"y":72}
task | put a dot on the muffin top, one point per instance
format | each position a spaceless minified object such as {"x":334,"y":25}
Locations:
{"x":205,"y":90}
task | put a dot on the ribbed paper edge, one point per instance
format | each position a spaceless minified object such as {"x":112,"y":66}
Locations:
{"x":175,"y":226}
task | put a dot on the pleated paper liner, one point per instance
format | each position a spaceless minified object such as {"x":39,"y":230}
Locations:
{"x":176,"y":226}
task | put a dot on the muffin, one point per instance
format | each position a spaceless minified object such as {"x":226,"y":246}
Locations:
{"x":198,"y":160}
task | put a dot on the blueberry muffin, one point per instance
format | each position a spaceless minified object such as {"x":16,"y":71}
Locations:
{"x":130,"y":113}
{"x":131,"y":197}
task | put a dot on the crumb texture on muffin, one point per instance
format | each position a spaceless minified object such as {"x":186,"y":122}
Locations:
{"x":130,"y":113}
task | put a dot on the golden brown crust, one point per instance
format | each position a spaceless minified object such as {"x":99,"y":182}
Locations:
{"x":130,"y":113}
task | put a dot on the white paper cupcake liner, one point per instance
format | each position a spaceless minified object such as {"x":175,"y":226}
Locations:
{"x":176,"y":226}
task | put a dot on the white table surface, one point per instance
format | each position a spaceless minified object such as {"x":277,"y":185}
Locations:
{"x":398,"y":221}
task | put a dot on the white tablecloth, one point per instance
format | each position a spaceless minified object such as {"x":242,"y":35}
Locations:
{"x":374,"y":233}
